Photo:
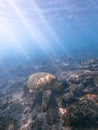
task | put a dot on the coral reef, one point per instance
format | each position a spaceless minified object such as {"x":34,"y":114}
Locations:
{"x":68,"y":102}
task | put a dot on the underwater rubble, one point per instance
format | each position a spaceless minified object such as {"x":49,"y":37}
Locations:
{"x":64,"y":100}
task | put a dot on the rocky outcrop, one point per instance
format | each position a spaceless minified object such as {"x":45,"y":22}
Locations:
{"x":83,"y":113}
{"x":46,"y":100}
{"x":47,"y":103}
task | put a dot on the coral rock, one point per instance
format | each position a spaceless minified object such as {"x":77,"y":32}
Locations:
{"x":41,"y":81}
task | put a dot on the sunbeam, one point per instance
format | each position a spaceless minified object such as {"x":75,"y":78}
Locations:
{"x":52,"y":27}
{"x":34,"y":30}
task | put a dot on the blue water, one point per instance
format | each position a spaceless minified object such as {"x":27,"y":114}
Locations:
{"x":38,"y":28}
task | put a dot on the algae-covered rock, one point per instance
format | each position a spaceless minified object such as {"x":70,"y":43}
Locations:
{"x":41,"y":81}
{"x":46,"y":100}
{"x":82,"y":113}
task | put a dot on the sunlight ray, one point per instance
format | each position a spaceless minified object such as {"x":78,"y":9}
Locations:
{"x":35,"y":32}
{"x":16,"y":42}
